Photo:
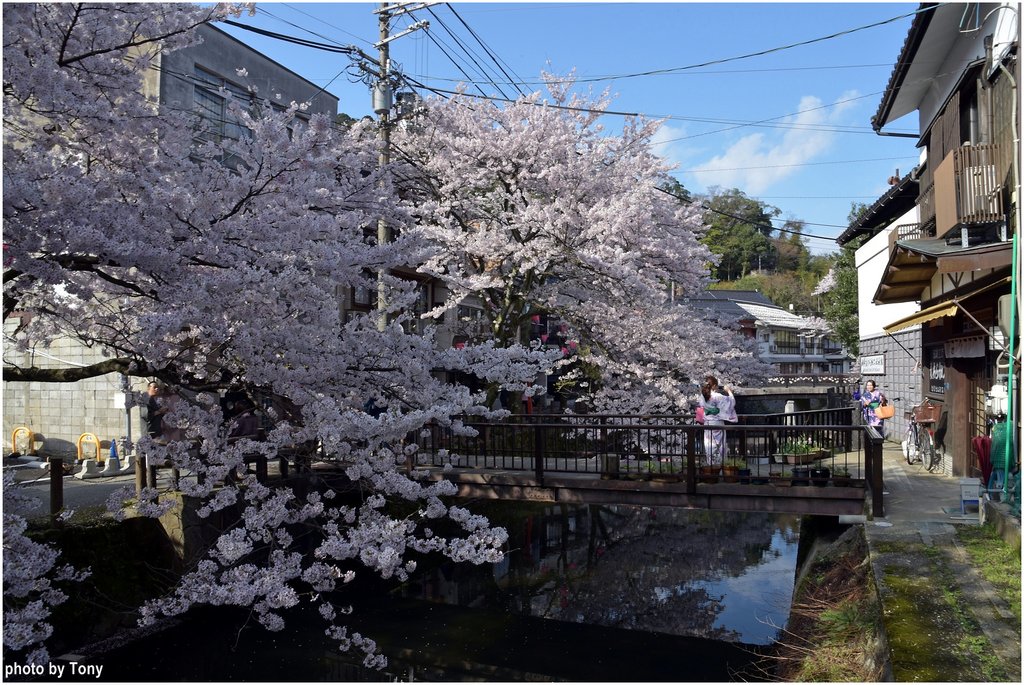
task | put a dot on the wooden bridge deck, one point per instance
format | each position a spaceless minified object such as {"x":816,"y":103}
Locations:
{"x":579,"y":488}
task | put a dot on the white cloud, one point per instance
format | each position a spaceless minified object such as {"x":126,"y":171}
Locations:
{"x":667,"y":144}
{"x":759,"y":160}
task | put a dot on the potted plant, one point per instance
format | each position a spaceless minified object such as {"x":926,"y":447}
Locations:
{"x":709,"y":473}
{"x":799,"y":451}
{"x":801,"y":475}
{"x":841,"y":476}
{"x":662,"y":471}
{"x":783,"y":479}
{"x":735,"y":469}
{"x":819,"y":475}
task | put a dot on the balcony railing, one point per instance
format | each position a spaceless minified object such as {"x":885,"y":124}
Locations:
{"x":968,"y":188}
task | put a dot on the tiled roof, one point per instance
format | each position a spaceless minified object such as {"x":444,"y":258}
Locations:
{"x":776,"y":316}
{"x":896,"y":202}
{"x":899,"y":71}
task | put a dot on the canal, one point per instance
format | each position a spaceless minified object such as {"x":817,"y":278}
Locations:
{"x":591,"y":593}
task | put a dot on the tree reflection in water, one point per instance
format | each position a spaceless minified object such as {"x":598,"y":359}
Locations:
{"x":661,"y":569}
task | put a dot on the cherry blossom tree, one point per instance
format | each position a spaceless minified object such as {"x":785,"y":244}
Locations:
{"x":531,"y":208}
{"x":127,"y":232}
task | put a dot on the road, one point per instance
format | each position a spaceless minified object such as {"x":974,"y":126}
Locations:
{"x":34,"y":478}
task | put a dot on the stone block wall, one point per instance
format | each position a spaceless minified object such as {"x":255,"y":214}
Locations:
{"x":903,"y":377}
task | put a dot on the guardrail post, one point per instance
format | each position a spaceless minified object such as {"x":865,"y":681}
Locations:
{"x":873,"y":470}
{"x":538,"y":452}
{"x":140,"y":474}
{"x":56,"y":486}
{"x":261,"y":468}
{"x":691,"y":458}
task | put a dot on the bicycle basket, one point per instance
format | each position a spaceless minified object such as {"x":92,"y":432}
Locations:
{"x":927,"y":412}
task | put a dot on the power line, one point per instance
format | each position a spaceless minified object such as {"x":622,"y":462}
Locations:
{"x":336,"y":28}
{"x":759,"y":53}
{"x":745,"y":220}
{"x":715,"y":72}
{"x":436,"y":41}
{"x":350,"y":50}
{"x":490,"y":52}
{"x":465,"y":49}
{"x":784,"y":166}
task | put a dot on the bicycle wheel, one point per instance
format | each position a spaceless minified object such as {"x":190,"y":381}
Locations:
{"x":926,"y":448}
{"x":910,"y":449}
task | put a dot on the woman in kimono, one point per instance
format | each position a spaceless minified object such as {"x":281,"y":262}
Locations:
{"x":870,"y":400}
{"x":714,"y":440}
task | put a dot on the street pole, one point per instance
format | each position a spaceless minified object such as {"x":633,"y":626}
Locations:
{"x":382,"y":100}
{"x":382,"y":107}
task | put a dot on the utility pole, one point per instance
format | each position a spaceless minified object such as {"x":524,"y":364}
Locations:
{"x":382,"y":107}
{"x":382,"y":101}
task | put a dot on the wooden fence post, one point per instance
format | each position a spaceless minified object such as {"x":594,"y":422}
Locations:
{"x":538,"y":452}
{"x":140,"y":475}
{"x":261,"y":468}
{"x":873,"y":470}
{"x":691,"y":458}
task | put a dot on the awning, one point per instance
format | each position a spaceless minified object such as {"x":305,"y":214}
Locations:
{"x":912,"y":263}
{"x":937,"y":311}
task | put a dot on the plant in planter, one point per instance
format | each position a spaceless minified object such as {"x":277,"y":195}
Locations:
{"x":800,"y":451}
{"x":733,"y":469}
{"x":661,"y":470}
{"x":819,"y":475}
{"x":709,"y":473}
{"x":783,"y":478}
{"x":841,"y":476}
{"x":801,"y":475}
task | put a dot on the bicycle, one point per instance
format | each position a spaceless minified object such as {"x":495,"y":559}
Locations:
{"x":919,"y":446}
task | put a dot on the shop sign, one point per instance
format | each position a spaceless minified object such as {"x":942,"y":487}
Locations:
{"x":937,"y":371}
{"x":872,"y":364}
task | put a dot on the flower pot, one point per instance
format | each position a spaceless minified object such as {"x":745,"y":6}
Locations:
{"x":744,"y":476}
{"x":802,"y":458}
{"x":819,"y":476}
{"x":709,"y":474}
{"x":801,"y":476}
{"x":730,"y":474}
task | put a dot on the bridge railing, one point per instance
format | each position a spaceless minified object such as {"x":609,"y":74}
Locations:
{"x":772,"y":449}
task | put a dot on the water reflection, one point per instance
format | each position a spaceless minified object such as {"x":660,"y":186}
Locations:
{"x":605,"y":593}
{"x":721,"y":575}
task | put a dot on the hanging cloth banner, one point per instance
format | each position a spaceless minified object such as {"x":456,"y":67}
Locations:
{"x":965,"y":347}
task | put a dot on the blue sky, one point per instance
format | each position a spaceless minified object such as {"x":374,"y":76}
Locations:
{"x":812,"y":154}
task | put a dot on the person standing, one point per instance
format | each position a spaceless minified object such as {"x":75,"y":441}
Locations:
{"x":727,"y":402}
{"x":154,"y":415}
{"x":870,"y":400}
{"x":714,"y":440}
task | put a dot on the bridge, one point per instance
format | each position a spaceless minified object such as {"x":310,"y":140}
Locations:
{"x":814,"y":462}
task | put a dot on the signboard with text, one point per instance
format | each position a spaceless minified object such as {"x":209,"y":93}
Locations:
{"x":937,"y":371}
{"x":872,"y":364}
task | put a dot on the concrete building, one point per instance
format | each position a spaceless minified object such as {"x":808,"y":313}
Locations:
{"x":189,"y":80}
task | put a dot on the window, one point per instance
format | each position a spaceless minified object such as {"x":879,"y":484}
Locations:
{"x":210,"y":103}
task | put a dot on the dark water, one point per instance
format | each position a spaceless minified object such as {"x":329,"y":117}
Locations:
{"x":595,"y":593}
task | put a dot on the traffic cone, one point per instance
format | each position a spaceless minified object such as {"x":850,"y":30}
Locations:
{"x":113,"y":465}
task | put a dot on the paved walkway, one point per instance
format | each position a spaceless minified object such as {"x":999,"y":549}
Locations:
{"x":922,"y":507}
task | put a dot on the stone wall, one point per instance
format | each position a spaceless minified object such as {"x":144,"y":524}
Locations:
{"x":903,"y":377}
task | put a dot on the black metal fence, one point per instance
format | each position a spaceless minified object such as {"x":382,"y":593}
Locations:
{"x":821,"y":447}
